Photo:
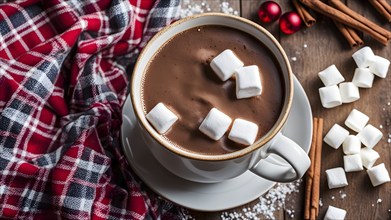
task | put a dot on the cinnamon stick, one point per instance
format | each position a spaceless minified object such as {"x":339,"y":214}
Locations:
{"x":304,"y":14}
{"x":383,"y":8}
{"x":342,"y":7}
{"x":310,"y":172}
{"x":350,"y":35}
{"x":318,"y":162}
{"x":337,"y":15}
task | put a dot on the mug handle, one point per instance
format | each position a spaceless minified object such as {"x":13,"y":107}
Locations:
{"x":296,"y":157}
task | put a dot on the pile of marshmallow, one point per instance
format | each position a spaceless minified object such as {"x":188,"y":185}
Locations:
{"x":355,"y":156}
{"x":216,"y":123}
{"x":368,"y":65}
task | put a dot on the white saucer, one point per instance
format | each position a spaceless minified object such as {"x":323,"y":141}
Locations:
{"x":210,"y":196}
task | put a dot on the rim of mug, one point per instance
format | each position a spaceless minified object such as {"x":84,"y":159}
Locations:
{"x":218,"y":157}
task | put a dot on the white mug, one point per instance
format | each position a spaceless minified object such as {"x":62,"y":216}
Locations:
{"x":216,"y":168}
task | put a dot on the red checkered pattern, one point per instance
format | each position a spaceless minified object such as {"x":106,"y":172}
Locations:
{"x":63,"y":81}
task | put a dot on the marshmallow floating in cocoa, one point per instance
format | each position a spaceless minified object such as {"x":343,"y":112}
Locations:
{"x":161,"y":118}
{"x":248,"y":82}
{"x":331,"y":76}
{"x":336,"y":178}
{"x":215,"y":124}
{"x":378,"y":175}
{"x":356,"y":120}
{"x":349,"y":92}
{"x":363,"y":78}
{"x":330,"y":96}
{"x":334,"y":213}
{"x":225,"y":63}
{"x":379,"y":66}
{"x":351,"y":145}
{"x":363,"y":57}
{"x":368,"y":157}
{"x":243,"y":132}
{"x":336,"y":136}
{"x":370,"y":136}
{"x":352,"y":163}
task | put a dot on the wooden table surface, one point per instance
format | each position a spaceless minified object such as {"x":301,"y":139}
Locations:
{"x":312,"y":50}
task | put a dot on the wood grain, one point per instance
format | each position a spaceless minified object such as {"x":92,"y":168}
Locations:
{"x":310,"y":51}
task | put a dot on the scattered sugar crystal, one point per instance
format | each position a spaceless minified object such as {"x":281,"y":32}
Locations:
{"x":294,"y":58}
{"x":305,"y":45}
{"x":268,"y":203}
{"x":320,"y":202}
{"x":332,"y":197}
{"x":379,"y":201}
{"x":381,"y":126}
{"x":189,"y":8}
{"x":373,"y":205}
{"x":342,"y":194}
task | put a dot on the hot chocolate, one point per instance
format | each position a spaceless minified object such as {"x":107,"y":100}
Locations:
{"x":179,"y":75}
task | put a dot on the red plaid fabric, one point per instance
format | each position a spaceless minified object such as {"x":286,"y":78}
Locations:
{"x":63,"y":81}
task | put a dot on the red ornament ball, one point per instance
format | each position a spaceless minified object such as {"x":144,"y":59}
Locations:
{"x":269,"y":11}
{"x":290,"y":22}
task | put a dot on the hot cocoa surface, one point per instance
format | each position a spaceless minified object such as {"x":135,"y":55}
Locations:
{"x":179,"y":76}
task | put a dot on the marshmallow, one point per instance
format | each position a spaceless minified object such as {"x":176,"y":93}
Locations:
{"x":370,"y":136}
{"x":368,"y":157}
{"x":336,"y":136}
{"x":336,"y":178}
{"x":363,"y":78}
{"x":352,"y":163}
{"x":331,"y":76}
{"x":161,"y":118}
{"x":225,"y":63}
{"x":356,"y":120}
{"x":349,"y":92}
{"x":351,"y":145}
{"x":215,"y":124}
{"x":334,"y":213}
{"x":248,"y":82}
{"x":363,"y":57}
{"x":378,"y":175}
{"x":379,"y":66}
{"x":330,"y":96}
{"x":243,"y":132}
